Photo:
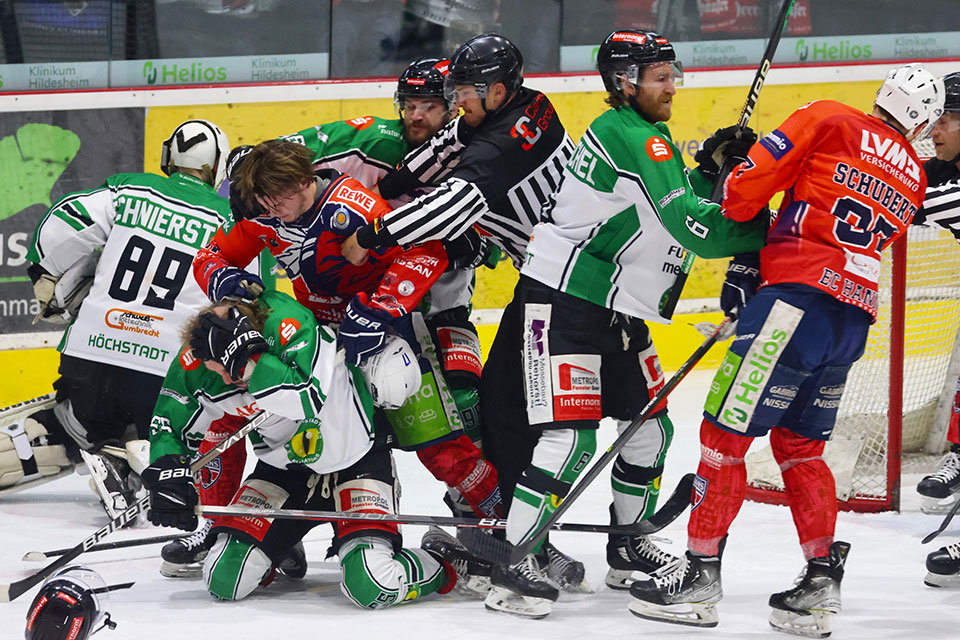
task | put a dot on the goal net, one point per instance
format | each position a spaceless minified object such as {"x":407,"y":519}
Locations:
{"x":894,"y":410}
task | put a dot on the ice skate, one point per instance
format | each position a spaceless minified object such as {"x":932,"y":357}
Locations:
{"x":294,"y":562}
{"x":521,"y":589}
{"x":683,"y":592}
{"x":473,"y":573}
{"x":183,"y":558}
{"x":627,"y":554}
{"x":565,"y":572}
{"x":943,"y":567}
{"x":939,"y":490}
{"x":807,"y":608}
{"x":110,"y":479}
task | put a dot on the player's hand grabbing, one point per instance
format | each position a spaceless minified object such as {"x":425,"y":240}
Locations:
{"x":233,"y":282}
{"x":231,"y":341}
{"x":241,"y":209}
{"x":743,"y":278}
{"x":173,"y":495}
{"x":470,"y":250}
{"x":729,"y":144}
{"x":363,"y":332}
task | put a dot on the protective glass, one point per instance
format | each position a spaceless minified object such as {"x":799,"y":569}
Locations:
{"x":89,"y":580}
{"x":676,"y":67}
{"x":455,"y":94}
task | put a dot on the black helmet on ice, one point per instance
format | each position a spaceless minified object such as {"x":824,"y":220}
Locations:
{"x":69,"y":606}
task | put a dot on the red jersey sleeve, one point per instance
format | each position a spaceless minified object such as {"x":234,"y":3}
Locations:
{"x":237,"y":247}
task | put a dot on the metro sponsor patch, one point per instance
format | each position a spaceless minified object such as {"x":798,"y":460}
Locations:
{"x":576,"y":387}
{"x":460,"y":350}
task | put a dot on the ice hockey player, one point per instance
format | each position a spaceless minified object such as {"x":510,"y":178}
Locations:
{"x":317,"y":450}
{"x":115,"y":261}
{"x":594,"y":274}
{"x":496,"y":166}
{"x":305,"y":217}
{"x":942,"y":207}
{"x":852,"y":183}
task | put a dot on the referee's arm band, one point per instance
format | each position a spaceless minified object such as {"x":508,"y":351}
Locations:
{"x":374,"y":236}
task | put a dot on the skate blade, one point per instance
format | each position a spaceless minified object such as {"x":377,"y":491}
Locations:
{"x":506,"y":601}
{"x":619,"y":579}
{"x":181,"y":571}
{"x":937,"y":506}
{"x":951,"y":581}
{"x":475,"y":586}
{"x":693,"y":614}
{"x":809,"y":624}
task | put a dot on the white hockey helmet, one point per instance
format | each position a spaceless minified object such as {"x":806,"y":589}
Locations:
{"x":393,"y":375}
{"x":200,"y":145}
{"x":913,"y":96}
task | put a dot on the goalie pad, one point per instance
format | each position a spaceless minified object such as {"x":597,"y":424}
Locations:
{"x":27,"y":457}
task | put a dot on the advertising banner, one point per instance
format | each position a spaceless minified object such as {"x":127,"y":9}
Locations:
{"x":43,"y":157}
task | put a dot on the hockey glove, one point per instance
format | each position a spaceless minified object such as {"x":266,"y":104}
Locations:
{"x":241,"y":209}
{"x":173,"y":495}
{"x":231,"y":341}
{"x":45,"y":290}
{"x":743,"y":278}
{"x":233,"y":282}
{"x":363,"y":332}
{"x":470,"y":250}
{"x":729,"y":144}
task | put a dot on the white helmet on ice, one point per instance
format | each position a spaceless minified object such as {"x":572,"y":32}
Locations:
{"x":393,"y":375}
{"x":200,"y":145}
{"x":913,"y":96}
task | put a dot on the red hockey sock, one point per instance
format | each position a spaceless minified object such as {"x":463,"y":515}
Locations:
{"x":953,"y":429}
{"x":458,"y":464}
{"x":810,"y":489}
{"x":221,"y":478}
{"x":719,"y":488}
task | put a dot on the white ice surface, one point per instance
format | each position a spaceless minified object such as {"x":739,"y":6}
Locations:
{"x":883,"y":591}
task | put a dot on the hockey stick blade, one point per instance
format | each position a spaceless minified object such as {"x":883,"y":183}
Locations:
{"x":613,"y":451}
{"x":40,"y":556}
{"x":443,"y":521}
{"x":943,"y":525}
{"x":12,"y":591}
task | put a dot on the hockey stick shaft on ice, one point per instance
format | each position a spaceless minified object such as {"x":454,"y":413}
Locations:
{"x":610,"y":454}
{"x":12,"y":591}
{"x":667,"y":513}
{"x":40,"y":556}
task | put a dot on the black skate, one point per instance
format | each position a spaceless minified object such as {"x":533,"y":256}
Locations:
{"x":473,"y":573}
{"x":943,"y":567}
{"x":943,"y":483}
{"x":683,"y":592}
{"x":805,"y":609}
{"x":183,"y":558}
{"x":626,"y":554}
{"x":562,"y":570}
{"x":521,"y":589}
{"x":294,"y":562}
{"x":112,"y":480}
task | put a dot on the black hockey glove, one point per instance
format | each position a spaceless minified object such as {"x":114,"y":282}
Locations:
{"x":743,"y":278}
{"x":365,"y":326}
{"x":233,"y":282}
{"x":470,"y":250}
{"x":231,"y":341}
{"x":240,"y":208}
{"x":729,"y":144}
{"x":173,"y":495}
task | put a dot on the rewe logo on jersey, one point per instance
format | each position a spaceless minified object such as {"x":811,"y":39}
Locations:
{"x":659,"y":149}
{"x":891,"y":151}
{"x":360,"y":198}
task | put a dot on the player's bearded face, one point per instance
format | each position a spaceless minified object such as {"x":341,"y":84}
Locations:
{"x":656,"y":90}
{"x":946,"y":136}
{"x":423,"y":117}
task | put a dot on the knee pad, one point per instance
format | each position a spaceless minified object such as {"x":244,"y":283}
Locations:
{"x":648,"y":446}
{"x":28,"y":455}
{"x":373,"y":577}
{"x":234,"y":568}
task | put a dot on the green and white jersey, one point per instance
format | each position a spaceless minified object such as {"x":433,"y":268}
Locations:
{"x":623,"y":218}
{"x":321,"y":414}
{"x":365,"y":148}
{"x":147,"y":229}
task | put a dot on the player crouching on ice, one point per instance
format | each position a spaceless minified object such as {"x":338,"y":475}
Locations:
{"x":317,"y":450}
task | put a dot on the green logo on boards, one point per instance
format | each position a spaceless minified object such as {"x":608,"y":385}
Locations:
{"x":31,"y":161}
{"x":194,"y":72}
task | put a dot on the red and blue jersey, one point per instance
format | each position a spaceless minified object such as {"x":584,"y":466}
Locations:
{"x":851,"y":185}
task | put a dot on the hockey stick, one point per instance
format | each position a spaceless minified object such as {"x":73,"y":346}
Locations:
{"x":40,"y":556}
{"x":761,"y":76}
{"x":668,"y":512}
{"x":943,"y":525}
{"x":12,"y":591}
{"x":525,"y":547}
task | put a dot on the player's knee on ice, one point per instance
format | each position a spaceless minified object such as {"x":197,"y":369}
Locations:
{"x":234,"y":568}
{"x":374,"y":577}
